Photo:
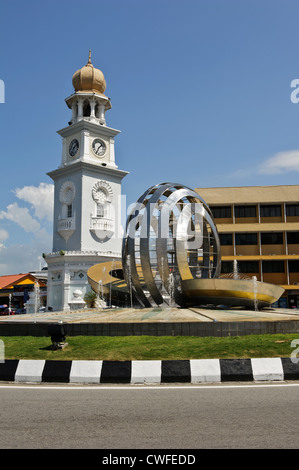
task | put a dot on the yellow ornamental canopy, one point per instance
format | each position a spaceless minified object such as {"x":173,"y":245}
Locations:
{"x":88,"y":79}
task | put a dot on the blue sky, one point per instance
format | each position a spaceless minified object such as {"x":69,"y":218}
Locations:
{"x":200,"y":90}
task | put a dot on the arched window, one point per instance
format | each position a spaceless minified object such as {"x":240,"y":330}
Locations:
{"x":102,"y":195}
{"x":66,"y":197}
{"x":101,"y":201}
{"x":86,"y":109}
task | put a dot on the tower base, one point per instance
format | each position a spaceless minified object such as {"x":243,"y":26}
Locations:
{"x":67,"y":273}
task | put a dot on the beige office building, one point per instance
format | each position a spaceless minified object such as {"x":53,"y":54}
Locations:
{"x":259,"y":227}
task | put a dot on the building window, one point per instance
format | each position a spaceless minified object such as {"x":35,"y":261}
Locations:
{"x":246,"y":238}
{"x":293,"y":238}
{"x":270,"y":210}
{"x":292,"y":210}
{"x":226,"y":239}
{"x":86,"y":109}
{"x":100,"y":210}
{"x":273,"y":266}
{"x":69,"y":210}
{"x":245,"y":211}
{"x":272,"y":238}
{"x":248,"y":267}
{"x":221,"y":212}
{"x":294,"y":266}
{"x":226,"y":267}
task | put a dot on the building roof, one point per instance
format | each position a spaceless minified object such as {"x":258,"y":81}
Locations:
{"x":11,"y":280}
{"x":250,"y":194}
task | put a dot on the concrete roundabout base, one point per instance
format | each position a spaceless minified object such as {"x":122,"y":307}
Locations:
{"x":195,"y":321}
{"x":118,"y":322}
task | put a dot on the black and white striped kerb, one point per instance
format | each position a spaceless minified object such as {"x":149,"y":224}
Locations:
{"x":142,"y":372}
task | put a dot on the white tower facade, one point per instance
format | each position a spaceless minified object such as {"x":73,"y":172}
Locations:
{"x":87,"y":225}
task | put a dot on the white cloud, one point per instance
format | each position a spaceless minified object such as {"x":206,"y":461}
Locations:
{"x":22,"y":258}
{"x":41,"y":199}
{"x":241,"y":174}
{"x":282,"y":162}
{"x":33,"y":217}
{"x":3,"y":235}
{"x":21,"y":216}
{"x":44,"y":237}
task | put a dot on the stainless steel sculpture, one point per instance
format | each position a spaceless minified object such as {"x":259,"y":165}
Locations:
{"x":170,"y":236}
{"x":171,"y":257}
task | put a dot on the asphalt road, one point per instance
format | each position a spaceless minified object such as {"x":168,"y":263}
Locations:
{"x":149,"y":417}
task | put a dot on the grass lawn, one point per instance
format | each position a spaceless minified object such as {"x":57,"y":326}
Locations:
{"x":149,"y":347}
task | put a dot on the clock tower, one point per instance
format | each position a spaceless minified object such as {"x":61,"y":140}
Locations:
{"x":87,"y":191}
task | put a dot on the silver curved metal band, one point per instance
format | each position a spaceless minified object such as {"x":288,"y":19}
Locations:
{"x":170,"y":236}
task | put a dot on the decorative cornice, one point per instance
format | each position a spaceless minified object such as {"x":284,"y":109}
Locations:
{"x":84,"y":165}
{"x":109,"y":254}
{"x":91,"y":126}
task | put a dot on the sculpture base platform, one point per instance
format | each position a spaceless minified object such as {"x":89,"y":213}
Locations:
{"x":231,"y":292}
{"x":245,"y":293}
{"x":197,"y":321}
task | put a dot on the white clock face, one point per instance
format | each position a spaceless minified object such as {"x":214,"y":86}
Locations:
{"x":74,"y":147}
{"x":98,"y":147}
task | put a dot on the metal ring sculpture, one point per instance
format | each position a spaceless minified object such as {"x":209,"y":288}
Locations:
{"x":170,"y":236}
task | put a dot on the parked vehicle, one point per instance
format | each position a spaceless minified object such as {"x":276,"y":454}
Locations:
{"x":2,"y":308}
{"x":9,"y":311}
{"x":20,"y":311}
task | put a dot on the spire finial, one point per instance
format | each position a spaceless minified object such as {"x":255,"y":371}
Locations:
{"x":89,"y":57}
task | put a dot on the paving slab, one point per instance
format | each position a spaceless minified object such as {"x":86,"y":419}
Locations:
{"x":154,"y":315}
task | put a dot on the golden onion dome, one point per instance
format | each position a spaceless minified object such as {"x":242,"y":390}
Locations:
{"x":89,"y":79}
